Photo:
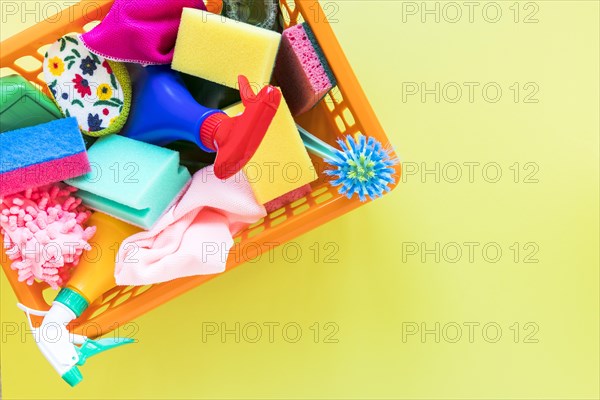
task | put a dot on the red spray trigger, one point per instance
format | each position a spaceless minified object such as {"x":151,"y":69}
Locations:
{"x":269,"y":95}
{"x":237,"y":139}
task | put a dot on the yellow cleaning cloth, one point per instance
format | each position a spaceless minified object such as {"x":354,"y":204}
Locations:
{"x":281,"y":163}
{"x":219,"y":49}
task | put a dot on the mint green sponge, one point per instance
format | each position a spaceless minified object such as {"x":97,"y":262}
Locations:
{"x":131,"y":180}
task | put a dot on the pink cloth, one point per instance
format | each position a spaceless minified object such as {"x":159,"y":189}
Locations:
{"x":194,"y":237}
{"x":139,"y":31}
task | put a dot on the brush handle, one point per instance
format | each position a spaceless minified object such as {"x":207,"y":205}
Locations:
{"x":316,"y":145}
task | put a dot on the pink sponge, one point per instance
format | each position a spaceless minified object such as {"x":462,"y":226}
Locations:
{"x":287,"y":198}
{"x":301,"y":69}
{"x":44,"y":234}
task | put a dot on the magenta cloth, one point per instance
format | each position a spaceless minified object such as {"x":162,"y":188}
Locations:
{"x":139,"y":31}
{"x":194,"y":237}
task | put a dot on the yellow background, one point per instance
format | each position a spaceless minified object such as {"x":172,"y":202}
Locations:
{"x":371,"y":294}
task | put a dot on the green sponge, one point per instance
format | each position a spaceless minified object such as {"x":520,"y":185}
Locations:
{"x":131,"y":180}
{"x":23,"y":105}
{"x":219,"y":49}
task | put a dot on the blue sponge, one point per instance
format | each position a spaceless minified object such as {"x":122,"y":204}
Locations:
{"x":131,"y":180}
{"x":40,"y":155}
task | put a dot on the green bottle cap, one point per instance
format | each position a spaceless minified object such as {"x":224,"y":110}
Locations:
{"x":70,"y":298}
{"x":73,"y":376}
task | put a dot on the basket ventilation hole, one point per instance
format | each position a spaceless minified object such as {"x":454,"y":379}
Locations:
{"x":42,"y":50}
{"x":328,"y":100}
{"x":29,"y":63}
{"x":127,"y":289}
{"x":285,"y":15}
{"x":336,"y":95}
{"x":122,"y":299}
{"x":298,"y":202}
{"x":289,"y":5}
{"x":324,"y":198}
{"x":255,"y":232}
{"x":277,"y":213}
{"x":143,"y":289}
{"x":110,"y":296}
{"x":91,"y":25}
{"x":5,"y":71}
{"x":301,"y":209}
{"x":319,"y":191}
{"x":348,"y":117}
{"x":257,"y":223}
{"x":340,"y":124}
{"x":278,"y":221}
{"x":99,"y":311}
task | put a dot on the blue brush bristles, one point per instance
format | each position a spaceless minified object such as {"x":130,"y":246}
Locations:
{"x":363,"y":167}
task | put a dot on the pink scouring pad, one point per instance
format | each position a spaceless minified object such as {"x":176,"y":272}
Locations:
{"x":40,"y":155}
{"x":288,"y":198}
{"x":301,"y":69}
{"x":43,"y":233}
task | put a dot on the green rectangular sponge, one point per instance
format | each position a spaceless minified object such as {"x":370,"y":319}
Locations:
{"x":23,"y":105}
{"x":219,"y":49}
{"x":131,"y":180}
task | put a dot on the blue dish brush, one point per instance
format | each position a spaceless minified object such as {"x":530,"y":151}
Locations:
{"x":362,"y":167}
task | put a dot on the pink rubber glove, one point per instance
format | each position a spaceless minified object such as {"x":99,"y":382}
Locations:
{"x":139,"y":31}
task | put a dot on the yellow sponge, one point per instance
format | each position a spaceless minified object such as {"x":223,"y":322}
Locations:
{"x":281,"y":163}
{"x":219,"y":49}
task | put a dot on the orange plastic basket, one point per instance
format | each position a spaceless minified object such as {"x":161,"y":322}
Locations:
{"x":345,"y":110}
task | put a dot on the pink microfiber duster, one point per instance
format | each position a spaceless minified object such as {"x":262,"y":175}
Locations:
{"x":139,"y":31}
{"x":43,"y":233}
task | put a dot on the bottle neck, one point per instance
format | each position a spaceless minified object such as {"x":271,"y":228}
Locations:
{"x":209,"y":129}
{"x":72,"y":299}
